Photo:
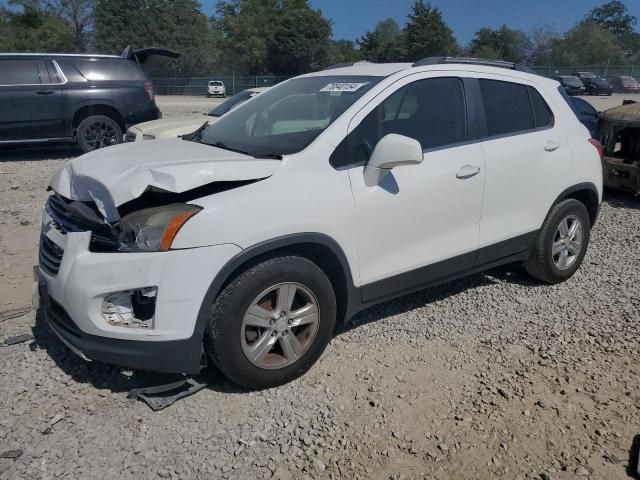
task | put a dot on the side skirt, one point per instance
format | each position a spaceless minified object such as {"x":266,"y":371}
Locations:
{"x":516,"y":249}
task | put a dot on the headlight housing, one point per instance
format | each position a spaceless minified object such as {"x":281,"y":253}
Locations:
{"x":153,"y":229}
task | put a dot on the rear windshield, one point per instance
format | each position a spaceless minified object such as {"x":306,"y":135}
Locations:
{"x":102,"y":69}
{"x":628,"y":80}
{"x":215,"y":84}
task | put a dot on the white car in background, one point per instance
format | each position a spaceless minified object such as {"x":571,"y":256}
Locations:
{"x":216,"y":89}
{"x":176,"y":127}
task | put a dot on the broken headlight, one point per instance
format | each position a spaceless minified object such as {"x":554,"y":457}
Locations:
{"x":153,"y":229}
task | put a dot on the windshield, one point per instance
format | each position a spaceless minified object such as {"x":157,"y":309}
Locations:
{"x":572,"y":81}
{"x":288,"y":117}
{"x":587,"y":74}
{"x":231,"y":103}
{"x":628,"y":80}
{"x":601,"y":82}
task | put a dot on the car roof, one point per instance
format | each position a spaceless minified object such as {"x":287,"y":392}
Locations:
{"x":54,"y":55}
{"x":387,"y":69}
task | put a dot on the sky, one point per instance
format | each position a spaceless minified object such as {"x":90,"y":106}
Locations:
{"x":352,"y":18}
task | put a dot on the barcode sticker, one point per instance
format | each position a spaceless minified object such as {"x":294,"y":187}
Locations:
{"x":343,"y":87}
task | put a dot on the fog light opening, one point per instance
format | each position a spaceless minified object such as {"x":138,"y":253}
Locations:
{"x":131,"y":308}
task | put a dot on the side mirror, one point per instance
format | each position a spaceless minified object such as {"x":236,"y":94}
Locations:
{"x":391,"y":151}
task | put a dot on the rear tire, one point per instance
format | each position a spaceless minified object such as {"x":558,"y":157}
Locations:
{"x":98,"y":131}
{"x":272,"y":322}
{"x":561,"y":244}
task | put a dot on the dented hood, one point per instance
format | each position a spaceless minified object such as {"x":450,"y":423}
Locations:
{"x":115,"y":175}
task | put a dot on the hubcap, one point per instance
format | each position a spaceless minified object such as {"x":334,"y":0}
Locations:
{"x":100,"y":134}
{"x":567,"y":242}
{"x":280,"y":325}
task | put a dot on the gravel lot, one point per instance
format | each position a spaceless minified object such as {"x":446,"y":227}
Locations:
{"x":493,"y":376}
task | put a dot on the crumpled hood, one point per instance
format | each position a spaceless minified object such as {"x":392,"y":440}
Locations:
{"x":115,"y":175}
{"x":172,"y":128}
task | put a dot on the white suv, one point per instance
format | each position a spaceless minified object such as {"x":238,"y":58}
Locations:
{"x":216,"y":89}
{"x":244,"y":245}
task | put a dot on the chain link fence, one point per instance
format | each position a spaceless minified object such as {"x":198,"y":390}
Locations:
{"x":197,"y":86}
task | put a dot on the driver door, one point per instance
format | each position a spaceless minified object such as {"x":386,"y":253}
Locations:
{"x":420,"y":224}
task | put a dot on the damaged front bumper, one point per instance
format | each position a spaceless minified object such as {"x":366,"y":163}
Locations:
{"x":73,"y":299}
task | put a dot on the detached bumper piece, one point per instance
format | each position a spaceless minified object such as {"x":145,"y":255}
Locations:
{"x":175,"y":356}
{"x":162,"y":396}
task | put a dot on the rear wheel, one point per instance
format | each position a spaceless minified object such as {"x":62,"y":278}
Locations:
{"x":97,"y":132}
{"x":272,"y":322}
{"x":561,"y":244}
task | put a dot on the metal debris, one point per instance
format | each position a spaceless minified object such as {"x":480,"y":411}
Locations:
{"x":12,"y":454}
{"x":25,"y":337}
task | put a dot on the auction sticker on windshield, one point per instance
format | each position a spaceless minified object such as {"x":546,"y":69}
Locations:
{"x":343,"y":87}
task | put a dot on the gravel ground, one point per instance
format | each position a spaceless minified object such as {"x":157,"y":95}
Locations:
{"x":493,"y":376}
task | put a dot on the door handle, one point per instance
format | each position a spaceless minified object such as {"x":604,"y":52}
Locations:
{"x":552,"y":146}
{"x":467,"y":171}
{"x":44,"y":92}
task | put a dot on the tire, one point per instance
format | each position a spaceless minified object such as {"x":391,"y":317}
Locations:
{"x":548,"y":267}
{"x":98,"y":131}
{"x":232,"y":341}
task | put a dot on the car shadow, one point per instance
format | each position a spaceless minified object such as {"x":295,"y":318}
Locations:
{"x":38,"y":152}
{"x":618,"y":199}
{"x":119,"y":380}
{"x":633,"y":466}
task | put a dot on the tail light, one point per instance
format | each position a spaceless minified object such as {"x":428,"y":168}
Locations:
{"x":597,"y":145}
{"x":148,"y":86}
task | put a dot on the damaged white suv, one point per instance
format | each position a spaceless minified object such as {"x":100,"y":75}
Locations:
{"x":244,"y":244}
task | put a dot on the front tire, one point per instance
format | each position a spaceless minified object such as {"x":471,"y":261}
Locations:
{"x":98,"y":131}
{"x":561,"y":244}
{"x":272,"y":322}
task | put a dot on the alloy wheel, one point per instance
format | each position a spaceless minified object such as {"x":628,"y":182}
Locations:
{"x":567,"y":242}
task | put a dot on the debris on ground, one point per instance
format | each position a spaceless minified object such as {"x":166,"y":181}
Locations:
{"x":25,"y":337}
{"x":12,"y":454}
{"x":160,"y":397}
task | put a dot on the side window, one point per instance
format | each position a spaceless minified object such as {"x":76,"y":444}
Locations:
{"x":541,"y":112}
{"x":101,"y":69}
{"x":19,"y":72}
{"x":432,"y":111}
{"x":507,"y":107}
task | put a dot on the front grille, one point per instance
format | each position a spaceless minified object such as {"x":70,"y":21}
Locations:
{"x":50,"y":256}
{"x":73,"y":216}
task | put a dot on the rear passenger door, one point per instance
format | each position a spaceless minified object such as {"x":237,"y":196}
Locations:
{"x":527,"y":159}
{"x":420,"y":224}
{"x":31,"y":99}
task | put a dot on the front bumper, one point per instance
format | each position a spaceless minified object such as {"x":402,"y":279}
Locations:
{"x":73,"y":299}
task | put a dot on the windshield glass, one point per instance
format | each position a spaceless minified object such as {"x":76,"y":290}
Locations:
{"x":288,"y":117}
{"x":231,"y":103}
{"x":587,"y":74}
{"x":601,"y":82}
{"x":572,"y":81}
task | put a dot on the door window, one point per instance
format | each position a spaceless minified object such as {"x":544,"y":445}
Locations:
{"x":19,"y":72}
{"x":431,"y":111}
{"x":507,"y":107}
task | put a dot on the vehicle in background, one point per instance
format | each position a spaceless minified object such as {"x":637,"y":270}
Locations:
{"x":624,"y":84}
{"x":583,"y":75}
{"x":216,"y":89}
{"x":245,"y":245}
{"x":572,"y":85}
{"x":172,"y":128}
{"x":588,"y":115}
{"x":85,"y":99}
{"x":597,"y":86}
{"x":619,"y":134}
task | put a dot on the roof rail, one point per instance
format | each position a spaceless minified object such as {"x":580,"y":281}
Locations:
{"x":345,"y":64}
{"x":474,"y":61}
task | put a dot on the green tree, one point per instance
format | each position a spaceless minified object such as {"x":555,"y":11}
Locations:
{"x":300,"y":42}
{"x":179,"y":26}
{"x":503,"y":43}
{"x":614,"y":17}
{"x":342,"y":51}
{"x":544,"y":39}
{"x":587,"y":44}
{"x":427,"y":34}
{"x":384,"y":44}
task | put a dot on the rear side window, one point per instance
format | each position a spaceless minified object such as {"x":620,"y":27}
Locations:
{"x":542,"y":115}
{"x":20,"y":72}
{"x":97,"y":70}
{"x":507,"y":107}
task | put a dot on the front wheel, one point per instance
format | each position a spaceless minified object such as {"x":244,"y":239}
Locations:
{"x":561,"y":244}
{"x":272,"y":322}
{"x":97,"y":132}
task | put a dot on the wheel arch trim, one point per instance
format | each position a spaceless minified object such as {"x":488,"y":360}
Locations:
{"x":581,"y":187}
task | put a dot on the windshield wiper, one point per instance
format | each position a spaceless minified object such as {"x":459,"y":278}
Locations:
{"x":224,"y":146}
{"x":277,"y":156}
{"x":195,"y":136}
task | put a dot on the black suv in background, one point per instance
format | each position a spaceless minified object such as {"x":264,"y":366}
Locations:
{"x":85,"y":99}
{"x":624,"y":84}
{"x":597,"y":86}
{"x":572,"y":85}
